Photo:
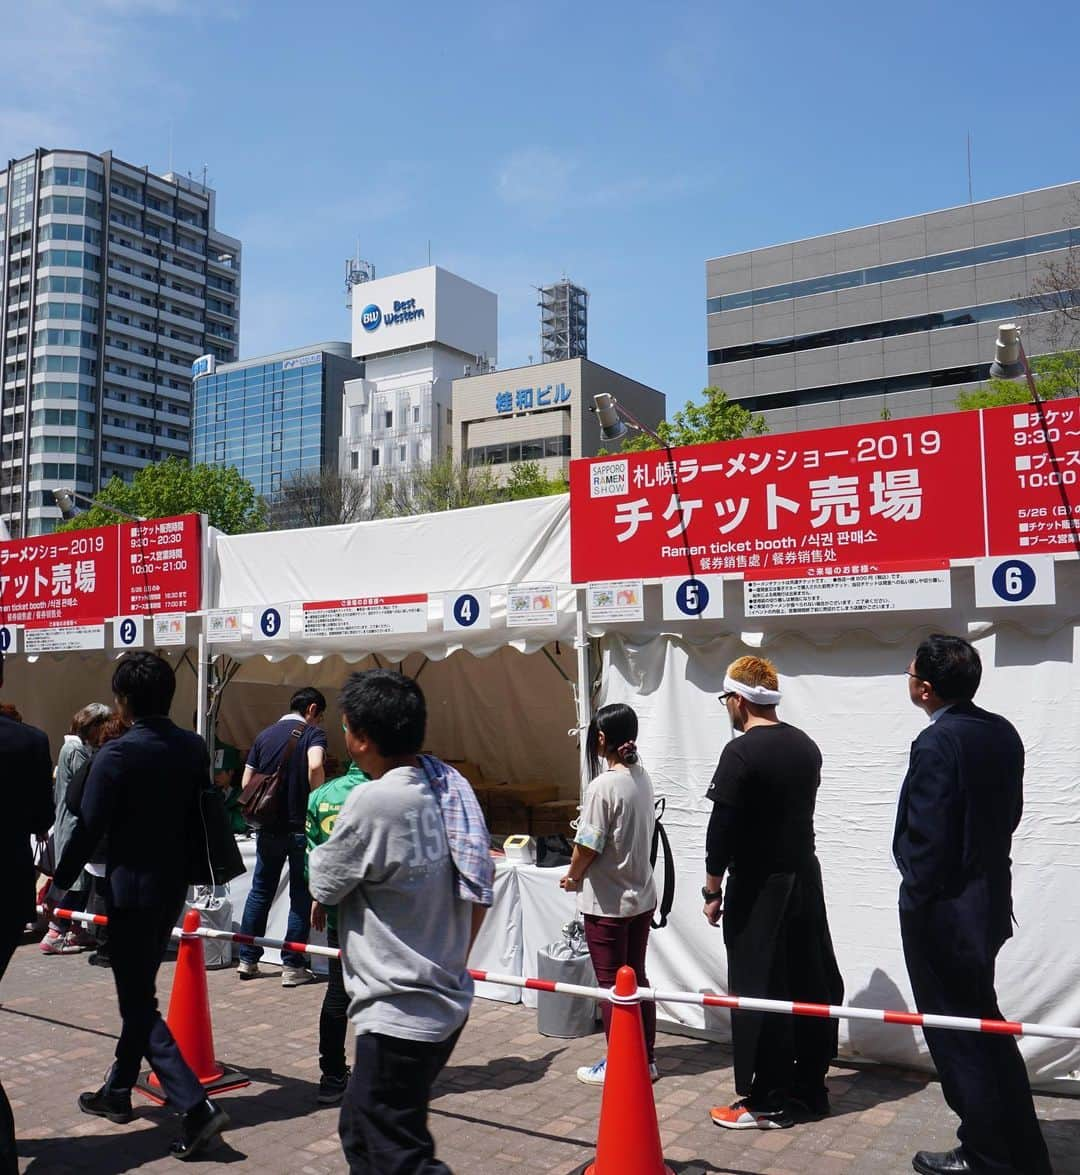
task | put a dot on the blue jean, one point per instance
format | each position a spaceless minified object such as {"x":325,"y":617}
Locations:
{"x":272,"y":850}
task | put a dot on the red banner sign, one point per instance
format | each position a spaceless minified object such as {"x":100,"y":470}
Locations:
{"x":85,"y":576}
{"x":852,"y":500}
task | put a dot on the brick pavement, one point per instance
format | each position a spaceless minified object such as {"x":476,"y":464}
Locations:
{"x":508,"y":1101}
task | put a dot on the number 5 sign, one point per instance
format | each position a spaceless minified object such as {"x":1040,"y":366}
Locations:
{"x":690,"y":599}
{"x":1020,"y":579}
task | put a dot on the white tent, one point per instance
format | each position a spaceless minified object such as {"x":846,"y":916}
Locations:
{"x":499,"y":697}
{"x":843,"y":681}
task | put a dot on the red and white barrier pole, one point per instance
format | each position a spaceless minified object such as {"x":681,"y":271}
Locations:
{"x":708,"y":1000}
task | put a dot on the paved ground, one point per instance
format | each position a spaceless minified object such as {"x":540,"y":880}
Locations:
{"x":508,"y":1101}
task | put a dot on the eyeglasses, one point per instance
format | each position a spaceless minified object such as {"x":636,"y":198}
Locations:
{"x":730,"y":694}
{"x":918,"y":678}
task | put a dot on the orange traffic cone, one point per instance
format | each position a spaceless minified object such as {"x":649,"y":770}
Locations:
{"x":189,"y":1021}
{"x":629,"y":1138}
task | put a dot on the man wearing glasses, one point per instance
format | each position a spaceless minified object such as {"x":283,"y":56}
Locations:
{"x":959,"y":805}
{"x":776,"y":931}
{"x":297,"y":738}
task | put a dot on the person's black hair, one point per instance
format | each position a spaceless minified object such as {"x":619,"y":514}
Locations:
{"x":388,"y":707}
{"x":620,"y":726}
{"x":303,"y":698}
{"x":951,"y":665}
{"x":146,"y":682}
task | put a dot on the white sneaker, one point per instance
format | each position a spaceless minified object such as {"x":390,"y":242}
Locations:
{"x":593,"y":1074}
{"x":654,"y":1073}
{"x":247,"y":970}
{"x":296,"y":976}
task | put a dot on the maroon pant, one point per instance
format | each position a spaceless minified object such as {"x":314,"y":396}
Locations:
{"x":621,"y":942}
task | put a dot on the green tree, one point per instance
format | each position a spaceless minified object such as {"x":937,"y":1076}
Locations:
{"x":174,"y":487}
{"x":528,"y":480}
{"x":716,"y":418}
{"x":1056,"y":376}
{"x":439,"y":485}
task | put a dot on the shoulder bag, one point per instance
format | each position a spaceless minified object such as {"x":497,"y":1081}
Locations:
{"x":262,"y":799}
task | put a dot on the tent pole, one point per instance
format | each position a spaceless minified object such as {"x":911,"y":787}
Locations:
{"x":583,"y":692}
{"x":201,"y":682}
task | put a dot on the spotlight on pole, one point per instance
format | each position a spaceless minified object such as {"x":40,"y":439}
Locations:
{"x":612,"y":427}
{"x":1008,"y":360}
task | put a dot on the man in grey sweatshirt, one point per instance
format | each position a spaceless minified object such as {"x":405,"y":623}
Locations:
{"x":405,"y":929}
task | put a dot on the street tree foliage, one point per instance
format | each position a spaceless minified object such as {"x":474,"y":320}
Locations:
{"x":716,"y":418}
{"x":319,"y":497}
{"x":438,"y":485}
{"x":528,"y":480}
{"x":1056,"y":376}
{"x":173,"y":487}
{"x":1054,"y":291}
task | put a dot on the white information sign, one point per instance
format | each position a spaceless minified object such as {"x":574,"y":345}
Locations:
{"x":896,"y":591}
{"x":129,"y":632}
{"x":690,"y":599}
{"x":64,"y":640}
{"x":9,"y":638}
{"x":467,"y":610}
{"x":1018,"y":579}
{"x":366,"y":616}
{"x":530,"y":605}
{"x":615,"y":600}
{"x":224,"y":627}
{"x":170,"y":629}
{"x":271,"y":622}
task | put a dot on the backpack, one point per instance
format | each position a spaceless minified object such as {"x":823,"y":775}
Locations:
{"x":667,"y":896}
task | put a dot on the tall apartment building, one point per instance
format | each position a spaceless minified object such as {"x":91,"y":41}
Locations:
{"x":275,"y":415}
{"x":895,"y":317}
{"x":113,"y":280}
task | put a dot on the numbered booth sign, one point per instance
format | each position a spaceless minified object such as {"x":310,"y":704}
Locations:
{"x":1018,"y":579}
{"x":271,"y":622}
{"x":700,"y":597}
{"x":128,"y":632}
{"x":9,"y":639}
{"x":467,"y":610}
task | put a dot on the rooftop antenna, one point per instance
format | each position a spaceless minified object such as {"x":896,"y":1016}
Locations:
{"x":971,"y":186}
{"x":357,"y":272}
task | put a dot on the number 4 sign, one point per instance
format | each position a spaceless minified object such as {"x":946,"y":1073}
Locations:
{"x":467,"y":610}
{"x":1027,"y":579}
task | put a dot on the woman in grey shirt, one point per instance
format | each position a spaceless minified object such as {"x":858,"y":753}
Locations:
{"x":610,"y":867}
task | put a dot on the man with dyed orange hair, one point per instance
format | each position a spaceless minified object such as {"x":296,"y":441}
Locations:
{"x":776,"y":931}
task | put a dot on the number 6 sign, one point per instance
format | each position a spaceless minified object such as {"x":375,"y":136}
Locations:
{"x":1019,"y":579}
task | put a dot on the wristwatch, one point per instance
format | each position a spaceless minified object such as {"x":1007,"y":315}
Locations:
{"x":711,"y":895}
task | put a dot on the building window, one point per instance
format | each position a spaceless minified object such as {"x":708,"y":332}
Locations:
{"x":374,"y":458}
{"x":275,"y":482}
{"x":219,"y":450}
{"x":355,"y":460}
{"x":416,"y":414}
{"x":389,"y":419}
{"x":275,"y":442}
{"x":401,"y":453}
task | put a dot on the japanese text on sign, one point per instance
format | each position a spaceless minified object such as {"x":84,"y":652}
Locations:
{"x":366,"y":616}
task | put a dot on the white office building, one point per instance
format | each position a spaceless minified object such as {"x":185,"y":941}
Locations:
{"x":416,"y":333}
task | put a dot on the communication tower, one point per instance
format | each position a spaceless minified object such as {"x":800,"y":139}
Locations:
{"x":564,"y":321}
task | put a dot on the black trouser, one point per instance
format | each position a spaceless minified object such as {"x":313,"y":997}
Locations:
{"x":9,"y":1163}
{"x":982,"y":1075}
{"x":779,"y":947}
{"x":383,"y":1123}
{"x":137,"y":942}
{"x":333,"y":1021}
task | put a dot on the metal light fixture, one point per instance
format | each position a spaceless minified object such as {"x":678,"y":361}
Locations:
{"x":612,"y":426}
{"x":65,"y":503}
{"x":1008,"y":354}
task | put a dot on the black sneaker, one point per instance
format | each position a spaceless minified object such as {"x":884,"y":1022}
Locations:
{"x":332,"y":1089}
{"x":107,"y":1103}
{"x":198,"y":1128}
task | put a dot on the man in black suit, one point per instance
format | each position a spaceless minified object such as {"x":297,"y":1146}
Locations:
{"x":959,"y":806}
{"x":26,"y":769}
{"x":142,"y":794}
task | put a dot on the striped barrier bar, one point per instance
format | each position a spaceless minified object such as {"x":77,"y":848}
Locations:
{"x":706,"y":1000}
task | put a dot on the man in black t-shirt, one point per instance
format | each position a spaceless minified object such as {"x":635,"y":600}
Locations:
{"x":297,"y":734}
{"x":761,"y":834}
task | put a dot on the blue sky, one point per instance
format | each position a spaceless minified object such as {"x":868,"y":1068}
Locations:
{"x":620,"y":143}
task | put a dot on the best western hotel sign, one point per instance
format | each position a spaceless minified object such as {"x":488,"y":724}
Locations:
{"x":372,"y":316}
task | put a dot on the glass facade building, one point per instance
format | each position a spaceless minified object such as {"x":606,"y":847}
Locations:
{"x":896,"y":317}
{"x":274,"y":416}
{"x":112,"y":281}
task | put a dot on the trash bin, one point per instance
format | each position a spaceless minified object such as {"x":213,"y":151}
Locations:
{"x":567,"y":961}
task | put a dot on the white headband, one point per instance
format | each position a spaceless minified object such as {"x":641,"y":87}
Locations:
{"x":757,"y":694}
